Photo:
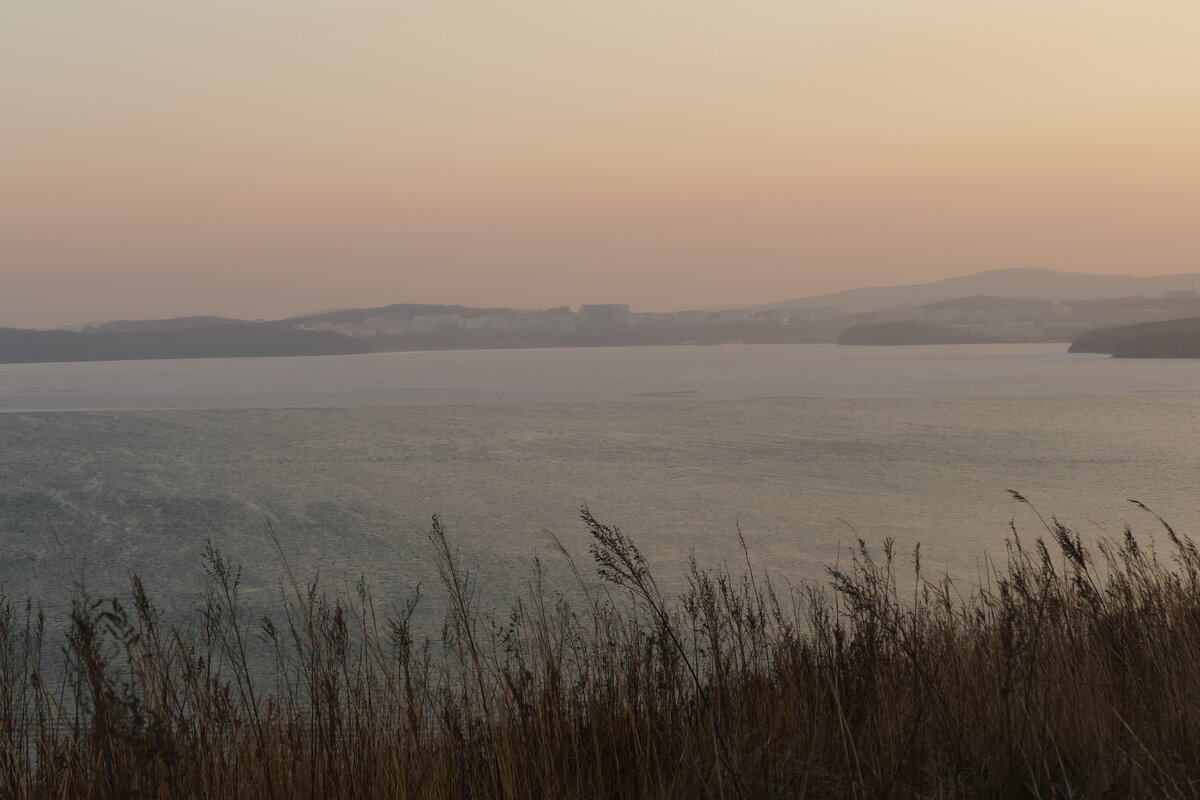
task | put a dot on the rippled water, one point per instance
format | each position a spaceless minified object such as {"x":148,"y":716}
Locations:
{"x":804,"y":447}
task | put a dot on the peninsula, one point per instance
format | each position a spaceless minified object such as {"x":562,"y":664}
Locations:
{"x":1172,"y":338}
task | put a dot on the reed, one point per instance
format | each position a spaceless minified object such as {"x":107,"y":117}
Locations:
{"x":1071,"y":669}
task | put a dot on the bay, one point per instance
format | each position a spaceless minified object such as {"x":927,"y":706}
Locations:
{"x":805,"y":448}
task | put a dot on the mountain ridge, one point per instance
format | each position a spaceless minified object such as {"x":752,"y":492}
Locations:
{"x":1031,"y":283}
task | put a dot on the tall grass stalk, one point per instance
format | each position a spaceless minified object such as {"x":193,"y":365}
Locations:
{"x":1072,"y":669}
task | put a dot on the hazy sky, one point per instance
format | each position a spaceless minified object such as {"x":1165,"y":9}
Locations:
{"x":268,"y":157}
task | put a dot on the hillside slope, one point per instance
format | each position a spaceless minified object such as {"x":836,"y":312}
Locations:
{"x":171,"y":324}
{"x":1173,"y":338}
{"x":220,"y":341}
{"x":908,"y":333}
{"x":1031,"y":283}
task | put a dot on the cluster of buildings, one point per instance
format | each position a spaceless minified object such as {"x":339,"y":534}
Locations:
{"x":988,"y":317}
{"x":564,"y":320}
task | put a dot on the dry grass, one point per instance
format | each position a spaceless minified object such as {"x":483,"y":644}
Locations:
{"x":1071,"y":672}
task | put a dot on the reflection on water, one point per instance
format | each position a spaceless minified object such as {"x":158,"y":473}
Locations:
{"x":351,"y":491}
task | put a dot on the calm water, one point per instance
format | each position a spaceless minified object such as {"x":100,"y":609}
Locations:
{"x":730,"y":372}
{"x":804,"y":447}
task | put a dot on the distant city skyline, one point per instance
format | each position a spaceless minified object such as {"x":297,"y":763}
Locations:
{"x":271,"y":159}
{"x":1033,"y":284}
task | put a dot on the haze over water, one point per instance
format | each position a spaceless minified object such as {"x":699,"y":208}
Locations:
{"x":804,"y":447}
{"x":469,"y":377}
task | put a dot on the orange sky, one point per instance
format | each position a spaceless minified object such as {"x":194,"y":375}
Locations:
{"x":266,"y":158}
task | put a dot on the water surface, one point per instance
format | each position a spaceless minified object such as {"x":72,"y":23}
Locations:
{"x":346,"y":458}
{"x":727,"y":372}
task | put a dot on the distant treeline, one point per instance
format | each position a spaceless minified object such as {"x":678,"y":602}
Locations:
{"x":897,"y":333}
{"x":217,"y":341}
{"x":152,"y":339}
{"x":711,"y":334}
{"x":1172,"y":338}
{"x":172,"y":324}
{"x":396,"y":311}
{"x":220,"y":337}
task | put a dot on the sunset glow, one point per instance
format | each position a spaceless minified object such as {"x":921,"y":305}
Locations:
{"x":269,"y":158}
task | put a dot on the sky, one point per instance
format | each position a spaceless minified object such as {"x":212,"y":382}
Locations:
{"x":268,"y":158}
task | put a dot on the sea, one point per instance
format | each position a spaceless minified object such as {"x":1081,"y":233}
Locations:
{"x":334,"y":467}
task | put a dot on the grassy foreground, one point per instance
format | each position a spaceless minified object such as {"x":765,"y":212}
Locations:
{"x":1069,"y":672}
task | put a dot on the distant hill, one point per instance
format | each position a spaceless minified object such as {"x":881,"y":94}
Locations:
{"x":1178,"y":306}
{"x":172,"y":324}
{"x":987,"y":303}
{"x":907,"y":333}
{"x":1029,"y":283}
{"x":218,"y":341}
{"x":347,"y":316}
{"x":1173,"y":338}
